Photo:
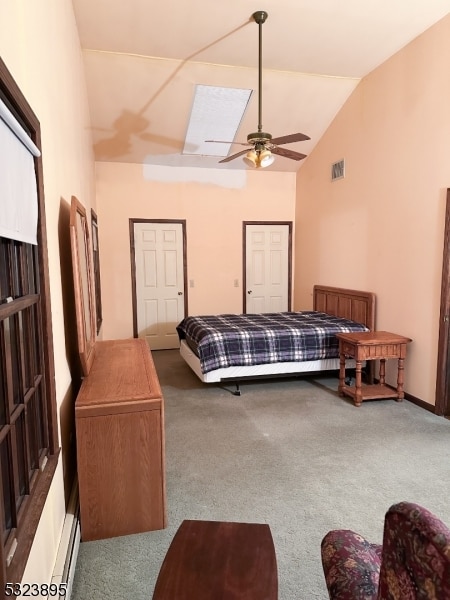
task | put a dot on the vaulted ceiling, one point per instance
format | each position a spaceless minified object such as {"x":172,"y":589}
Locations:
{"x":143,"y":60}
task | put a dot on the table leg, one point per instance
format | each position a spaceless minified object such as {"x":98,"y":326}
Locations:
{"x":358,"y":393}
{"x":400,"y":375}
{"x":341,"y":374}
{"x":382,"y":371}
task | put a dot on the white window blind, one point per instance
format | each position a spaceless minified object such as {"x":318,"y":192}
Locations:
{"x":18,"y":192}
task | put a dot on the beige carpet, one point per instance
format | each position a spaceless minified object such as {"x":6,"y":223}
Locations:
{"x":289,"y":453}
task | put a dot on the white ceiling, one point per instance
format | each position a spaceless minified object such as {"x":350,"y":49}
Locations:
{"x":143,"y":60}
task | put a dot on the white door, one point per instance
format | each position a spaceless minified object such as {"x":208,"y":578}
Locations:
{"x":160,"y":286}
{"x":267,"y":252}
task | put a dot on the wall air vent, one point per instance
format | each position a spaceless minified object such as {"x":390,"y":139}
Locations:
{"x":338,"y":170}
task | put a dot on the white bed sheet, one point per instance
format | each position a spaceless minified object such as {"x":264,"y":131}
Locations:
{"x":283,"y":368}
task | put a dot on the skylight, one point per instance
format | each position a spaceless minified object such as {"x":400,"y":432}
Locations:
{"x":216,"y":115}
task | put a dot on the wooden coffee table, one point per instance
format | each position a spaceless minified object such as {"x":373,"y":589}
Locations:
{"x":372,"y":345}
{"x":209,"y":560}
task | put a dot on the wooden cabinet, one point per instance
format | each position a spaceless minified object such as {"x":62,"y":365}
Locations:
{"x":119,"y":415}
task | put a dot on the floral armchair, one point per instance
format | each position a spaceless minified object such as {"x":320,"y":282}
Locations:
{"x":412,"y":564}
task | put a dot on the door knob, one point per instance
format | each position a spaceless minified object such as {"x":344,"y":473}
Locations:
{"x":249,"y":292}
{"x":180,"y":293}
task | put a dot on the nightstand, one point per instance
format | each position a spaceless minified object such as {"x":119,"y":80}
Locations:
{"x":371,"y":345}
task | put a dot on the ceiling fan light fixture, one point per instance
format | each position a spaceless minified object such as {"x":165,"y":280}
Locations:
{"x":251,"y":158}
{"x":266,"y":158}
{"x":259,"y":158}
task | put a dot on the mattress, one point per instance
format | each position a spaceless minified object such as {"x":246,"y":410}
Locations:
{"x":249,"y":340}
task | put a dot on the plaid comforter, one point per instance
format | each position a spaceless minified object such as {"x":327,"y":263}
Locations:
{"x":253,"y":339}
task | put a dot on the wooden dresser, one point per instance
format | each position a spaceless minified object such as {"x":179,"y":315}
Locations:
{"x":119,"y":414}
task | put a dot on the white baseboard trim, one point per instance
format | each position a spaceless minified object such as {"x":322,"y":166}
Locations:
{"x":68,"y":547}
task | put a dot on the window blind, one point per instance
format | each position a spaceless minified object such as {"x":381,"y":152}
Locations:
{"x":18,"y":191}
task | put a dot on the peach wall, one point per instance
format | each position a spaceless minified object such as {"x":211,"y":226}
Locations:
{"x":39,"y":44}
{"x":393,"y":132}
{"x":214,"y":216}
{"x":381,"y":227}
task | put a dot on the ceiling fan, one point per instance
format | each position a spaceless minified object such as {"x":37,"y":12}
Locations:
{"x":263,"y":145}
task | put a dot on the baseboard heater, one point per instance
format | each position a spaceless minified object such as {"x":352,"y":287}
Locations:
{"x":68,"y":548}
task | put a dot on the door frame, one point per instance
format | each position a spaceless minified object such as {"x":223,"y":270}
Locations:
{"x":244,"y":258}
{"x":442,"y":401}
{"x":132,"y":222}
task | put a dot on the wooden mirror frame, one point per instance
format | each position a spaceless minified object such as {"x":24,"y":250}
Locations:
{"x":96,"y":271}
{"x":83,"y":284}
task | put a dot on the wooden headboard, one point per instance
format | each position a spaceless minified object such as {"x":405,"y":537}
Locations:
{"x":350,"y":304}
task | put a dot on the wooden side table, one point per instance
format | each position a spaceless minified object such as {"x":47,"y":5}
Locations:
{"x":371,"y":345}
{"x":219,"y":560}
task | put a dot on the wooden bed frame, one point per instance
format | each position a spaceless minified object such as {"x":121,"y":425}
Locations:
{"x":356,"y":305}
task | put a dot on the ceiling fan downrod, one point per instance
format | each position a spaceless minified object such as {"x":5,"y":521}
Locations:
{"x":259,"y":17}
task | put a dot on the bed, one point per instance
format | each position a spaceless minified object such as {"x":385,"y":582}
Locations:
{"x":231,"y":348}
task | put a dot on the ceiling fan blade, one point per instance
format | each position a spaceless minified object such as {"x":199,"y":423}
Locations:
{"x":233,"y":156}
{"x":288,"y":139}
{"x":287,"y":153}
{"x":223,"y":142}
